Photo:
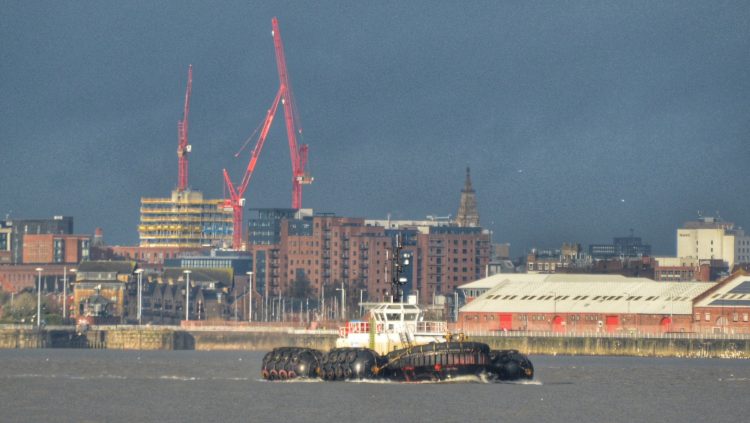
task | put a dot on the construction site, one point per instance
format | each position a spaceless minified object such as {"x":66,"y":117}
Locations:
{"x":187,"y":220}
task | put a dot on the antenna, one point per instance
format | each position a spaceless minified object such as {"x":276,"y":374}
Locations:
{"x":397,"y":282}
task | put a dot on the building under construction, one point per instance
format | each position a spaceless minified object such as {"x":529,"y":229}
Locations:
{"x":185,"y":220}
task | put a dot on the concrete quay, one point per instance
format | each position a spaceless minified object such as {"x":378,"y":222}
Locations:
{"x":264,"y":339}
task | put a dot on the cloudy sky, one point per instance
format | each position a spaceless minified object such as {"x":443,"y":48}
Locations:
{"x":579,"y":120}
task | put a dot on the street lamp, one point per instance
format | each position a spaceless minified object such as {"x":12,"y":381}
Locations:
{"x":250,"y":298}
{"x":361,"y":311}
{"x":187,"y":294}
{"x":554,"y":309}
{"x":671,"y":310}
{"x":65,"y":291}
{"x":343,"y":303}
{"x":139,"y":272}
{"x":39,"y":299}
{"x":628,"y":296}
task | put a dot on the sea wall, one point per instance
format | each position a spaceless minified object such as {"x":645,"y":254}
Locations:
{"x":20,"y":338}
{"x":260,"y":341}
{"x":156,"y":338}
{"x":120,"y":338}
{"x":624,"y":346}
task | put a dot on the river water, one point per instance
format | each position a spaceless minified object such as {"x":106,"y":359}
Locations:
{"x":49,"y":385}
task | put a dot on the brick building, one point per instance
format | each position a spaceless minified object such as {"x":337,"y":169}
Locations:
{"x":101,"y":290}
{"x":55,"y":248}
{"x":14,"y":231}
{"x":301,"y":255}
{"x":675,"y":269}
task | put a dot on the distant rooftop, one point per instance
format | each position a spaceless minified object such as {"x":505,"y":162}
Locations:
{"x":708,"y":222}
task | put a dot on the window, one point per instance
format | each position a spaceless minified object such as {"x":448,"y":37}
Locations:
{"x":708,"y":316}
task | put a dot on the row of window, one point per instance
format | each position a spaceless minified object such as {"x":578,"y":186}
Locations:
{"x":538,"y":317}
{"x":735,"y":317}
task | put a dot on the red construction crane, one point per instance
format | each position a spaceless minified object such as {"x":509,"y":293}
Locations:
{"x":183,"y":148}
{"x":297,"y":154}
{"x":235,"y":200}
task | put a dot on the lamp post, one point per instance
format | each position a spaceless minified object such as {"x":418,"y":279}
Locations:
{"x":343,"y":303}
{"x":39,"y":298}
{"x":139,"y":272}
{"x":554,"y":309}
{"x":361,"y":291}
{"x":65,"y":292}
{"x":627,"y":298}
{"x":187,"y":294}
{"x":671,"y":311}
{"x":250,"y":297}
{"x":265,"y":293}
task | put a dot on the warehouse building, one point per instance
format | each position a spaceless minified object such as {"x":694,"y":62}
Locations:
{"x":577,"y":303}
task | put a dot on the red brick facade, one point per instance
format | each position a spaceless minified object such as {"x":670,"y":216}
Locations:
{"x":574,"y":322}
{"x":55,"y":248}
{"x":342,"y":249}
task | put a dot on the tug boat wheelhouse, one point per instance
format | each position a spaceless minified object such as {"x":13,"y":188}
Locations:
{"x":392,"y":326}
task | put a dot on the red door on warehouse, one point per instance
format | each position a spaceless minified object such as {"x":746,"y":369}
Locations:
{"x":612,"y":323}
{"x":506,"y":321}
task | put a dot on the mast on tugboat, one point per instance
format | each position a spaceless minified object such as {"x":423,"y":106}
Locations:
{"x":397,"y":282}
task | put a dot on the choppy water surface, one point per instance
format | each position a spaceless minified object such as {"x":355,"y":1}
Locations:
{"x":190,"y":386}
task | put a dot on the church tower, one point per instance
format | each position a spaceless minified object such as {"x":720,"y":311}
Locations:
{"x":468,"y":216}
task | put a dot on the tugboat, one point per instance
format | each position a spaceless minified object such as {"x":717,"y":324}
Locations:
{"x":397,"y":344}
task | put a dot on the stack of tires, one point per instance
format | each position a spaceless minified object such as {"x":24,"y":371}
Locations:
{"x":509,"y":365}
{"x":291,"y":363}
{"x":349,"y":364}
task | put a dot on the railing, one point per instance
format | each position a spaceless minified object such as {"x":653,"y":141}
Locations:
{"x":432,"y":327}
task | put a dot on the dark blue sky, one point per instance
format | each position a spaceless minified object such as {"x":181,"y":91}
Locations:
{"x":580,"y":120}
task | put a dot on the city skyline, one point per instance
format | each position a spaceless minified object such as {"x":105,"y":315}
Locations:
{"x":579,"y":122}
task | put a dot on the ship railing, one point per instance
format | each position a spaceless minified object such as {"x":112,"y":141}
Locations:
{"x":432,"y":327}
{"x":358,"y":327}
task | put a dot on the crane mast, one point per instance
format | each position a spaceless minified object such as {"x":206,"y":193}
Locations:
{"x":183,"y":148}
{"x":298,"y":154}
{"x":235,"y":202}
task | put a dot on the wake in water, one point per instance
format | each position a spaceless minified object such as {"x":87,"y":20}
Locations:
{"x":458,"y":379}
{"x":179,"y":378}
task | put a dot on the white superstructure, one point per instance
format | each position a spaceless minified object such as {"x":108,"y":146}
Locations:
{"x":396,"y":325}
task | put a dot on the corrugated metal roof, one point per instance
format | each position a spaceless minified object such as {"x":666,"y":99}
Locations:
{"x":572,"y":293}
{"x":733,"y":291}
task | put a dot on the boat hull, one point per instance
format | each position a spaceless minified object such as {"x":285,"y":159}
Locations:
{"x":436,"y":361}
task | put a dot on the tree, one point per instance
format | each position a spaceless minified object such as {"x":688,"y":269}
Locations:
{"x":301,"y":286}
{"x":22,"y":309}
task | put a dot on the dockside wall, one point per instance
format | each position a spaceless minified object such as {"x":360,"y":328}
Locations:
{"x":207,"y":340}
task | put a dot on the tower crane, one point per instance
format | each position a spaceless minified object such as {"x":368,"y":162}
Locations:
{"x":298,"y":154}
{"x":183,"y":148}
{"x":236,"y":202}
